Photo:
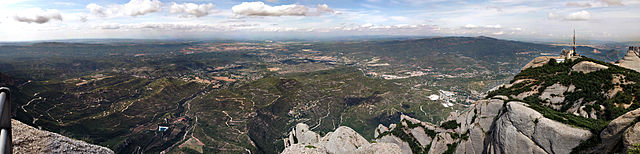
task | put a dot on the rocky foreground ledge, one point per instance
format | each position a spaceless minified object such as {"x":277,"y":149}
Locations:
{"x":27,"y":139}
{"x":490,"y":126}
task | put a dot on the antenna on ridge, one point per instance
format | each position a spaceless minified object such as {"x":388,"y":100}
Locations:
{"x":574,"y":41}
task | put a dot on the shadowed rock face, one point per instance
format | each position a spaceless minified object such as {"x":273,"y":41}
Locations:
{"x":27,"y":139}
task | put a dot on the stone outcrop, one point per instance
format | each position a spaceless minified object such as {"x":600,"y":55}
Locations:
{"x":587,"y":67}
{"x":631,"y":60}
{"x":616,"y":130}
{"x":342,"y":140}
{"x":631,"y":136}
{"x":27,"y":139}
{"x":539,"y":61}
{"x":489,"y":126}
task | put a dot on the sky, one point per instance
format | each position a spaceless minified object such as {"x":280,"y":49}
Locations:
{"x":603,"y":20}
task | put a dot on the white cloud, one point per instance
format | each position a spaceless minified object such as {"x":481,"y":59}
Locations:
{"x":193,"y":10}
{"x":472,"y":26}
{"x":37,"y":15}
{"x":577,"y":16}
{"x":612,"y":2}
{"x":98,"y":10}
{"x":261,"y":9}
{"x":599,"y":3}
{"x":552,"y":15}
{"x":132,"y":8}
{"x":497,"y":26}
{"x":324,"y":8}
{"x":576,"y":4}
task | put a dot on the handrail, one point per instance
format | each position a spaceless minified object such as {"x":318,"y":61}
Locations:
{"x":6,"y":147}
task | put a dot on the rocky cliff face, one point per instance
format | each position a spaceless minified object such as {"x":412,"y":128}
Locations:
{"x":27,"y":139}
{"x":631,"y":60}
{"x":489,"y":126}
{"x":342,"y":140}
{"x":581,"y":105}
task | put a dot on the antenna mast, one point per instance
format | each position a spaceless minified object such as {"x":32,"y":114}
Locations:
{"x":574,"y":41}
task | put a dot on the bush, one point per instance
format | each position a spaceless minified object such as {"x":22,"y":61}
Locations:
{"x":451,"y":124}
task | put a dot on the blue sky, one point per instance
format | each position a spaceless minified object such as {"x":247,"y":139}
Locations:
{"x":609,"y":20}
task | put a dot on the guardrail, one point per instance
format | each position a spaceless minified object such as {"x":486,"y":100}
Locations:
{"x":6,"y":147}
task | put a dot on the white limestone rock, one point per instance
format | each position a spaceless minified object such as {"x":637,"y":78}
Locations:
{"x":630,"y":61}
{"x":587,"y":67}
{"x":27,"y":139}
{"x":404,"y":146}
{"x":343,"y":140}
{"x":379,"y":148}
{"x":631,"y":136}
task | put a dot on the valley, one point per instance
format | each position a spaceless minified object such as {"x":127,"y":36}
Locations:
{"x":234,"y":96}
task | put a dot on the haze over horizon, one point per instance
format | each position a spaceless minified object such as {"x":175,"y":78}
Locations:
{"x":609,"y":20}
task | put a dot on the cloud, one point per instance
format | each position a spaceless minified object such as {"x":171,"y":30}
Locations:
{"x":132,"y":8}
{"x":578,"y":16}
{"x":552,"y":15}
{"x":98,"y":10}
{"x":39,"y":16}
{"x":599,"y":3}
{"x":613,"y":2}
{"x":261,"y":9}
{"x":193,"y":10}
{"x":367,"y":25}
{"x":108,"y":26}
{"x":83,"y":18}
{"x":472,"y":26}
{"x":576,"y":4}
{"x":324,"y":8}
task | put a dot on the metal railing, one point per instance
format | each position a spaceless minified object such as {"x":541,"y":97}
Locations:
{"x":6,"y":147}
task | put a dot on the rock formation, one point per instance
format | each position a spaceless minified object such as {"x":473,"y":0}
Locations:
{"x":631,"y":60}
{"x":27,"y":139}
{"x":587,"y":67}
{"x":489,"y":126}
{"x":342,"y":140}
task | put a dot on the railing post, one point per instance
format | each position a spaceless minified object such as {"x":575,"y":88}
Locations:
{"x":6,"y":147}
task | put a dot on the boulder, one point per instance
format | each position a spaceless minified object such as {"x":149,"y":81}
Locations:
{"x":343,"y":140}
{"x":631,"y":136}
{"x":548,"y":134}
{"x":304,"y":135}
{"x":612,"y":132}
